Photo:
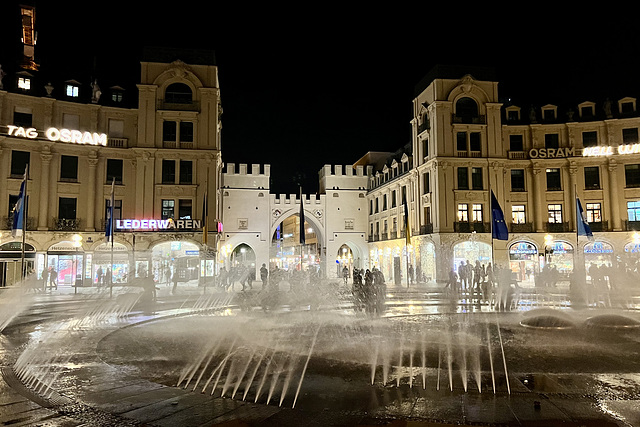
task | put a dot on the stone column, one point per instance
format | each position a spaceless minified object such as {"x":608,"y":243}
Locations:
{"x":613,"y":192}
{"x":539,"y":192}
{"x":573,"y":171}
{"x":91,"y":196}
{"x":43,"y":212}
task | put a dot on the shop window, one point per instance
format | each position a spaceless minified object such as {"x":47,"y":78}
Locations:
{"x":114,"y":171}
{"x":592,"y":178}
{"x":589,"y":139}
{"x":633,"y":211}
{"x":476,"y":178}
{"x":67,"y":207}
{"x":463,"y":179}
{"x":184,"y":208}
{"x":594,"y":212}
{"x":553,"y":179}
{"x":168,"y":171}
{"x":463,"y":212}
{"x":518,"y":214}
{"x":168,"y":209}
{"x":19,"y":162}
{"x":69,"y":168}
{"x":517,"y":180}
{"x":186,"y":172}
{"x":632,"y":175}
{"x":555,"y":214}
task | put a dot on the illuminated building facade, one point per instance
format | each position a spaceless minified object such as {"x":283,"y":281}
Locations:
{"x":466,"y":144}
{"x":160,"y":156}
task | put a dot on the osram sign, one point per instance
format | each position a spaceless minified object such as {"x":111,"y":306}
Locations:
{"x":59,"y":135}
{"x":551,"y":153}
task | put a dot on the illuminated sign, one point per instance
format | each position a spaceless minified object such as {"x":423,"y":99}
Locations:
{"x":598,"y":248}
{"x":523,"y":248}
{"x":608,"y":151}
{"x":551,"y":153}
{"x":157,"y":224}
{"x":59,"y":135}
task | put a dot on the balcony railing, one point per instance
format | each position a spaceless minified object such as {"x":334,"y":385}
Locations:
{"x":469,"y":120}
{"x":517,"y":155}
{"x":426,"y":229}
{"x":557,"y":227}
{"x":632,"y":225}
{"x":66,"y":224}
{"x":118,"y":142}
{"x":178,"y":106}
{"x":7,"y":223}
{"x":526,"y":227}
{"x":599,"y":226}
{"x":469,"y":227}
{"x":174,"y":144}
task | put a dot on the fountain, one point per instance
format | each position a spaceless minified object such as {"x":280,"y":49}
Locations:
{"x":317,"y":350}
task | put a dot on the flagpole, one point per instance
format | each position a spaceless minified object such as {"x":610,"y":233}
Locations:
{"x":111,"y":203}
{"x":24,"y":219}
{"x":493,"y":251}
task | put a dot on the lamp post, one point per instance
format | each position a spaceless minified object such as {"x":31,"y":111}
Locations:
{"x":77,"y":242}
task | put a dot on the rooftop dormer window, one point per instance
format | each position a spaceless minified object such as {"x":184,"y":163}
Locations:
{"x":24,"y":83}
{"x":72,"y":89}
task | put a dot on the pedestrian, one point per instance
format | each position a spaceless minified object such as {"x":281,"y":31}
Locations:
{"x":99,"y":274}
{"x":410,"y":273}
{"x":357,"y":291}
{"x":369,"y":292}
{"x":53,"y":278}
{"x":264,"y":275}
{"x":45,"y":278}
{"x":345,"y":274}
{"x":380,"y":289}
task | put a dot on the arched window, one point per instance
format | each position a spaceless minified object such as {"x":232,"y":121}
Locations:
{"x":178,"y":93}
{"x":466,"y":109}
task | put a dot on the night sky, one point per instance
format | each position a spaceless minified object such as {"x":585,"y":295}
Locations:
{"x":303,"y":87}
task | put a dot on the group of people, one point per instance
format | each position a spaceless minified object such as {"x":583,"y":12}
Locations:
{"x":490,"y":283}
{"x":369,"y":291}
{"x":241,"y":273}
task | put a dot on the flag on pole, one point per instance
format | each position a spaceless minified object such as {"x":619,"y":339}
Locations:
{"x":407,"y":228}
{"x":18,"y":210}
{"x":109,"y":222}
{"x":302,"y":230}
{"x":205,"y":220}
{"x":498,"y":226}
{"x":581,"y":222}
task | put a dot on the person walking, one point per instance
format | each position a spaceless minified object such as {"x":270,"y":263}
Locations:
{"x":53,"y":278}
{"x":45,"y":278}
{"x":99,"y":275}
{"x":264,"y":275}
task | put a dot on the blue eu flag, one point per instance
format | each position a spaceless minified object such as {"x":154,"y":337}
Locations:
{"x":498,"y":226}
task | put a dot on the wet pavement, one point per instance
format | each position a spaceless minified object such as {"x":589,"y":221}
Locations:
{"x":92,"y":389}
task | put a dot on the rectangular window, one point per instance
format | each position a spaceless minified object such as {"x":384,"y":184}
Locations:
{"x":477,"y":212}
{"x":377,"y":206}
{"x":21,"y":119}
{"x":633,"y":211}
{"x":630,"y":135}
{"x":475,"y":143}
{"x":116,"y":128}
{"x":72,"y":91}
{"x":589,"y":139}
{"x":184,"y":208}
{"x":632,"y":175}
{"x":516,"y":143}
{"x":517,"y":180}
{"x":555,"y":214}
{"x":168,"y":171}
{"x":592,"y":178}
{"x":69,"y":168}
{"x":24,"y":83}
{"x":169,"y":131}
{"x":594,"y":212}
{"x":13,"y":199}
{"x":370,"y":207}
{"x":67,"y":207}
{"x":393,"y":199}
{"x":463,"y":212}
{"x":518,"y":215}
{"x":19,"y":162}
{"x":461,"y":144}
{"x":186,"y":132}
{"x":425,"y":147}
{"x":186,"y":172}
{"x":551,"y":140}
{"x":114,"y":170}
{"x":553,"y":180}
{"x":117,"y":209}
{"x":463,"y":179}
{"x":168,"y":209}
{"x":476,"y":178}
{"x":426,"y":185}
{"x":384,"y":202}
